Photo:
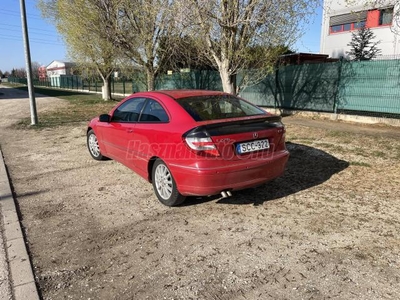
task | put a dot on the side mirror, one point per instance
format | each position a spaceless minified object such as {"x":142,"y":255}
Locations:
{"x":104,"y":118}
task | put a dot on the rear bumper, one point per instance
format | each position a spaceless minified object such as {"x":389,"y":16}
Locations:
{"x":197,"y":181}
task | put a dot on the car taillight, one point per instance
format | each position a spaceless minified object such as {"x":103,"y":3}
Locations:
{"x":281,"y":144}
{"x":201,"y":143}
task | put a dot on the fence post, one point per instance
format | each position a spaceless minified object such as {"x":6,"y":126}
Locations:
{"x":276,"y":88}
{"x":337,"y":92}
{"x":123,"y":86}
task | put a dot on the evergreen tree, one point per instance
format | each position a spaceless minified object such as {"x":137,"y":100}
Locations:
{"x":362,"y":45}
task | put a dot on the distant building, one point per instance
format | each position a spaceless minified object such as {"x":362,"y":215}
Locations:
{"x":304,"y":58}
{"x":56,"y":69}
{"x":339,"y":20}
{"x":42,"y":73}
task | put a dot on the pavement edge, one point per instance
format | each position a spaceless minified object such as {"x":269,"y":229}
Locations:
{"x":21,"y":273}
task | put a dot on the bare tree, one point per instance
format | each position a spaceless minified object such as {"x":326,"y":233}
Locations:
{"x":141,"y":27}
{"x":88,"y":27}
{"x":227,"y":30}
{"x":182,"y":52}
{"x":35,"y":70}
{"x":19,"y":73}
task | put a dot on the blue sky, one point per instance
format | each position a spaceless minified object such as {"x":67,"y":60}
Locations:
{"x":309,"y":42}
{"x":46,"y":45}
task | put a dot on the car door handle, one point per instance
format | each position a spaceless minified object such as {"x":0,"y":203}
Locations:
{"x":129,"y":130}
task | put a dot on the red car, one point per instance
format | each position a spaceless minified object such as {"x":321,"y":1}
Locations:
{"x":191,"y":142}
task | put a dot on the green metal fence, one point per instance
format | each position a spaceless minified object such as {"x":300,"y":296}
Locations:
{"x":303,"y":87}
{"x":364,"y":88}
{"x":370,"y":87}
{"x":121,"y":87}
{"x":195,"y":79}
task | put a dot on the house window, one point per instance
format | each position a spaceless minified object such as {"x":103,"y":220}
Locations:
{"x":336,"y":28}
{"x":386,"y":16}
{"x":359,"y":25}
{"x":367,"y":18}
{"x":347,"y":27}
{"x":347,"y":22}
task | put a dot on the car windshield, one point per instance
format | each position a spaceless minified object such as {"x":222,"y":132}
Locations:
{"x":204,"y":108}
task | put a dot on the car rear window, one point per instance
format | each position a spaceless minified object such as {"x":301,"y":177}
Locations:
{"x":204,"y":108}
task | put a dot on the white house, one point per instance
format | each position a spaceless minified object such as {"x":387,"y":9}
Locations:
{"x":340,"y":19}
{"x":56,"y":69}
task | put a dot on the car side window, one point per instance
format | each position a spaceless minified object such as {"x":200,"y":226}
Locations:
{"x":129,"y":111}
{"x":153,"y":112}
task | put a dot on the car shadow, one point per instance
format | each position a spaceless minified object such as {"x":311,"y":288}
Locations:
{"x":307,"y":167}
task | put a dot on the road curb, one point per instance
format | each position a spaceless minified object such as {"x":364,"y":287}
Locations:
{"x":22,"y":279}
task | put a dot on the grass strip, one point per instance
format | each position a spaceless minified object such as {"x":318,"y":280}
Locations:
{"x":81,"y":107}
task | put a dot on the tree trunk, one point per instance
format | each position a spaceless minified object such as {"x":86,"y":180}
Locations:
{"x":150,"y":79}
{"x":106,"y":89}
{"x":227,"y":79}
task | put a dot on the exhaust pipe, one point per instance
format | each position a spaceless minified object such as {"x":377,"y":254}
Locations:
{"x":226,"y":194}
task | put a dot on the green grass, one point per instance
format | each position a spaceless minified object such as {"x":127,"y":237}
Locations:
{"x":359,"y":151}
{"x":360,"y":164}
{"x":397,"y":154}
{"x":333,"y":147}
{"x":13,"y":85}
{"x":337,"y":134}
{"x":81,"y":107}
{"x":379,"y":154}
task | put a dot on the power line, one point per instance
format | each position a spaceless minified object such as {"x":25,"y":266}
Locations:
{"x":31,"y":31}
{"x":34,"y":40}
{"x":14,"y":36}
{"x":17,"y":13}
{"x":18,"y":26}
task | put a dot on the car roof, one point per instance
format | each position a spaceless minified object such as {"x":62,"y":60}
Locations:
{"x":178,"y":94}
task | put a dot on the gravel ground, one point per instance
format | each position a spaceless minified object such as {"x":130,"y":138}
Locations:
{"x":5,"y":289}
{"x":327,"y":229}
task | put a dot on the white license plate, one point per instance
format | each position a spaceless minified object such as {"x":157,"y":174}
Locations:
{"x":252,"y":146}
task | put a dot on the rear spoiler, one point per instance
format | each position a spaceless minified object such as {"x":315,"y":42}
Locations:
{"x":241,"y":125}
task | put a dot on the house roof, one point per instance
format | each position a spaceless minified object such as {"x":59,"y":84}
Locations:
{"x":59,"y":63}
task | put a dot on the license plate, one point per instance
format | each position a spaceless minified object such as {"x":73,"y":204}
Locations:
{"x":252,"y":146}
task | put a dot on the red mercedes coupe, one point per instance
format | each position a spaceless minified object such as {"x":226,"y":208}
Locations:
{"x":191,"y":142}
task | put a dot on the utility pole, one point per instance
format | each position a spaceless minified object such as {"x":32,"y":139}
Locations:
{"x":34,"y":118}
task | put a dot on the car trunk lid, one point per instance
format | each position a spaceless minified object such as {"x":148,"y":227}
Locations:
{"x":240,"y":138}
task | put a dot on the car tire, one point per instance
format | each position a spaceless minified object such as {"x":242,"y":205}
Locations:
{"x":164,"y":185}
{"x":93,"y":146}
